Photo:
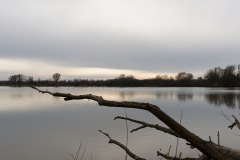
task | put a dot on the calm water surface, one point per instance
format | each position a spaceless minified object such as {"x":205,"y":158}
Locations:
{"x":38,"y":126}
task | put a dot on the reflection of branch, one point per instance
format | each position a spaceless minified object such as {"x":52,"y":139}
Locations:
{"x":144,"y":125}
{"x":132,"y":155}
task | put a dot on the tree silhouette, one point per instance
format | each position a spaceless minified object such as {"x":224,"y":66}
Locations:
{"x":56,"y":77}
{"x":184,"y":76}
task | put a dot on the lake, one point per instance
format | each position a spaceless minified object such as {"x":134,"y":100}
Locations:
{"x":41,"y":127}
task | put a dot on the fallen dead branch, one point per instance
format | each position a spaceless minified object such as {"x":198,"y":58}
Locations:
{"x":209,"y":149}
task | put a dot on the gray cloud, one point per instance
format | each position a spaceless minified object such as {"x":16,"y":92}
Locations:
{"x":143,"y":35}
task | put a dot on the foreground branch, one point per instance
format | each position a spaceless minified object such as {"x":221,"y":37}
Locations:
{"x":202,"y":145}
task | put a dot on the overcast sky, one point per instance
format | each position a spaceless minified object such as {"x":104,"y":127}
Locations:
{"x":105,"y":38}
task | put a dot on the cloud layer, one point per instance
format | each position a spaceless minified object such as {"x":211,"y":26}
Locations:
{"x":150,"y":36}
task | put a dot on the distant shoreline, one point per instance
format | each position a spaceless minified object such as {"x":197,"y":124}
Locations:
{"x":216,"y":77}
{"x":116,"y":83}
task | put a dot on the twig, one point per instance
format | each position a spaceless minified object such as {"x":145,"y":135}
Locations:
{"x":180,"y":155}
{"x":70,"y":154}
{"x":127,"y":133}
{"x":178,"y":138}
{"x":210,"y":139}
{"x":226,"y":116}
{"x":83,"y":153}
{"x":139,"y":128}
{"x":238,"y":112}
{"x":166,"y":156}
{"x":144,"y":125}
{"x":169,"y":150}
{"x":78,"y":153}
{"x":132,"y":155}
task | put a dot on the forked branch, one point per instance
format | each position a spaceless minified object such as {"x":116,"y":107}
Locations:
{"x":144,"y":125}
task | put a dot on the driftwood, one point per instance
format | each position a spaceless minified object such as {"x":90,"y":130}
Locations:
{"x":209,"y":149}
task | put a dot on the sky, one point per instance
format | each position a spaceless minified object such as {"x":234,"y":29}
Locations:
{"x":99,"y":39}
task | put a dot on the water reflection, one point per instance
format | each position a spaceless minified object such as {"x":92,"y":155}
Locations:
{"x":172,"y":95}
{"x":32,"y":123}
{"x":124,"y":94}
{"x":230,"y":100}
{"x":225,"y":97}
{"x":184,"y":97}
{"x":164,"y":95}
{"x":217,"y":97}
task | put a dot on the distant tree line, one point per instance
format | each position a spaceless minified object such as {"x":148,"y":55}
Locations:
{"x":216,"y":77}
{"x":21,"y":80}
{"x":227,"y":77}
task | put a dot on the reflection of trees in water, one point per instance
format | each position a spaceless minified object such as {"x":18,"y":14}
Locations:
{"x":20,"y":96}
{"x":124,"y":94}
{"x":170,"y":95}
{"x":184,"y":96}
{"x":164,"y":95}
{"x":228,"y":99}
{"x":238,"y":100}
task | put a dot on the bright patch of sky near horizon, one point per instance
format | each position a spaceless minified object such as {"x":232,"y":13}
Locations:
{"x":104,"y":38}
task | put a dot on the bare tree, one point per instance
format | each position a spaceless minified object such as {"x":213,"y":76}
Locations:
{"x":18,"y":78}
{"x":184,"y":76}
{"x":56,"y":77}
{"x":162,"y":77}
{"x":209,"y":149}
